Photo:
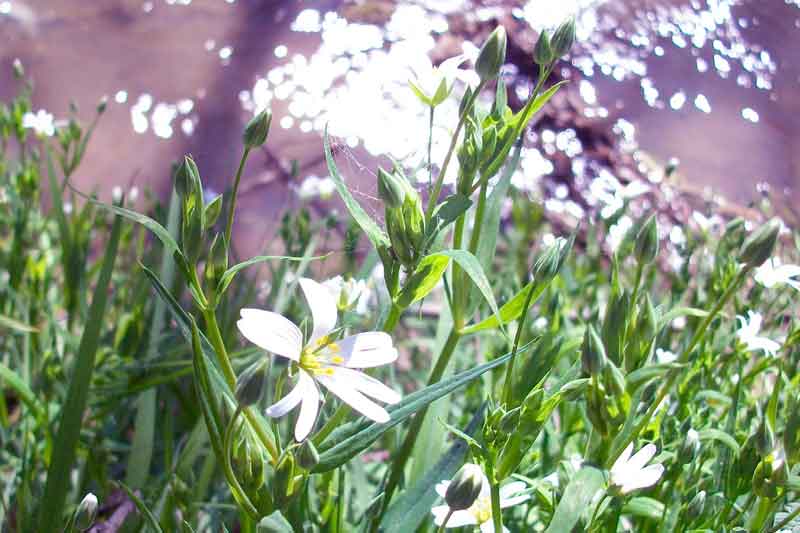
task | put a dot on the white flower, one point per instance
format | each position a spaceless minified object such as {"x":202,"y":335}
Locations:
{"x":630,"y":473}
{"x":748,"y":334}
{"x":349,"y":293}
{"x":321,"y":360}
{"x":480,"y":513}
{"x":773,"y":272}
{"x":41,"y":123}
{"x":433,"y":85}
{"x":314,"y":186}
{"x":665,"y":356}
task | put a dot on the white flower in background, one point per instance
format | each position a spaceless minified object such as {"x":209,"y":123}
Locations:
{"x":41,"y":123}
{"x":480,"y":512}
{"x":665,"y":356}
{"x":772,"y":272}
{"x":630,"y":473}
{"x":349,"y":293}
{"x":433,"y":85}
{"x":748,"y":334}
{"x":321,"y":360}
{"x":314,"y":186}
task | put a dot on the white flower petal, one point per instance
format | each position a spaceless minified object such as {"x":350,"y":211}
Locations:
{"x":641,"y":457}
{"x":288,"y":402}
{"x":309,"y":408}
{"x":271,"y":332}
{"x":441,"y":488}
{"x":649,"y":476}
{"x":620,"y":463}
{"x":366,"y":384}
{"x":510,"y":489}
{"x":366,"y":350}
{"x":515,"y":500}
{"x":457,"y":519}
{"x":354,"y":399}
{"x":322,"y":305}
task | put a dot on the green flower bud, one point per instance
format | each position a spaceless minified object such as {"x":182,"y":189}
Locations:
{"x":549,"y":263}
{"x":256,"y":131}
{"x":696,"y":505}
{"x":86,"y":512}
{"x":543,"y":52}
{"x":563,"y":38}
{"x":509,"y":421}
{"x":185,"y":177}
{"x":758,"y":247}
{"x":390,"y":189}
{"x":765,"y":438}
{"x":192,"y":234}
{"x":465,"y":487}
{"x":646,"y":247}
{"x":690,"y":447}
{"x":308,"y":456}
{"x":250,"y":383}
{"x":283,"y":482}
{"x":492,"y":55}
{"x":614,"y":379}
{"x":213,"y":210}
{"x":19,"y":70}
{"x":593,"y":353}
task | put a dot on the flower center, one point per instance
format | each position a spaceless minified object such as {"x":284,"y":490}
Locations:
{"x":482,"y":509}
{"x":317,"y":357}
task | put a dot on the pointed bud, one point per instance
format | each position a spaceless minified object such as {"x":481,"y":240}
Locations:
{"x":646,"y":247}
{"x":86,"y":512}
{"x":256,"y":131}
{"x":250,"y":383}
{"x":697,"y":505}
{"x":690,"y":446}
{"x":19,"y":70}
{"x":390,"y":189}
{"x":758,"y":247}
{"x":185,"y":176}
{"x":765,"y":438}
{"x":308,"y":456}
{"x":217,"y":262}
{"x":492,"y":55}
{"x":550,"y":262}
{"x":543,"y":52}
{"x":563,"y":38}
{"x":465,"y":487}
{"x":593,"y":353}
{"x":102,"y":105}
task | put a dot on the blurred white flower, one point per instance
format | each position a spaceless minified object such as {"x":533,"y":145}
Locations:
{"x":321,"y":360}
{"x":41,"y":123}
{"x":772,"y":272}
{"x":433,"y":85}
{"x":665,"y":356}
{"x":349,"y":293}
{"x":480,"y":513}
{"x":314,"y":186}
{"x":630,"y":473}
{"x":748,"y":334}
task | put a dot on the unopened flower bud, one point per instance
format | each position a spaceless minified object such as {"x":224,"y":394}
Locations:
{"x":543,"y":52}
{"x":19,"y":70}
{"x":696,"y":505}
{"x":672,"y":166}
{"x":390,"y":189}
{"x":492,"y":55}
{"x":86,"y":512}
{"x":593,"y":353}
{"x":250,"y":383}
{"x":690,"y":446}
{"x":549,"y":263}
{"x":465,"y":487}
{"x":102,"y":105}
{"x":765,"y":438}
{"x":758,"y":247}
{"x":563,"y":38}
{"x":256,"y":131}
{"x":185,"y":176}
{"x":646,"y":247}
{"x":308,"y":456}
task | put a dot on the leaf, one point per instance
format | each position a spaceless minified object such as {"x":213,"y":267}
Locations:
{"x":714,"y":398}
{"x":11,"y":379}
{"x":365,"y":222}
{"x":644,"y":507}
{"x":720,"y":436}
{"x":349,"y":440}
{"x":15,"y":325}
{"x":413,"y":506}
{"x":425,"y":277}
{"x":229,"y":274}
{"x":274,"y":523}
{"x":676,"y":312}
{"x":149,"y":517}
{"x":643,"y":375}
{"x":446,"y":213}
{"x":157,"y":229}
{"x":510,"y":311}
{"x":469,"y":264}
{"x":576,"y":499}
{"x":72,"y":411}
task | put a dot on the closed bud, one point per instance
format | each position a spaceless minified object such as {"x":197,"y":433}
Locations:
{"x":509,"y":421}
{"x":593,"y":353}
{"x":86,"y":512}
{"x":192,"y":233}
{"x":465,"y":487}
{"x":256,"y":131}
{"x":614,"y":379}
{"x":283,"y":481}
{"x":690,"y":446}
{"x":672,"y":166}
{"x":19,"y":70}
{"x":308,"y":456}
{"x":391,"y":189}
{"x":765,"y":438}
{"x":543,"y":52}
{"x":185,"y":176}
{"x":250,"y":384}
{"x":758,"y":247}
{"x":734,"y":230}
{"x":646,"y":247}
{"x":697,"y":505}
{"x":492,"y":55}
{"x":549,"y":263}
{"x":102,"y":105}
{"x":563,"y":38}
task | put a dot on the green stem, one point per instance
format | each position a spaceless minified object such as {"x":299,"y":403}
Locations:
{"x":596,"y":510}
{"x":497,"y":513}
{"x":238,"y":492}
{"x":507,"y":388}
{"x":437,"y":188}
{"x":673,"y":376}
{"x":430,"y":146}
{"x":232,"y":208}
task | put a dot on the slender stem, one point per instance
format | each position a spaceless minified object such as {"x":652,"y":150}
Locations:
{"x":437,"y":188}
{"x":596,"y":510}
{"x":238,"y":492}
{"x":497,"y":513}
{"x":507,"y":388}
{"x":232,"y":207}
{"x":441,"y":528}
{"x":673,"y":376}
{"x":791,"y":516}
{"x":430,"y":146}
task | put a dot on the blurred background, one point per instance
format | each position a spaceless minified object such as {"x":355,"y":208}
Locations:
{"x":711,"y":83}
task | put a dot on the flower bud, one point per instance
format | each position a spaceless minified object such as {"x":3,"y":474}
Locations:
{"x":593,"y":353}
{"x":390,"y":189}
{"x":250,"y":384}
{"x":696,"y":505}
{"x":758,"y":247}
{"x":256,"y":131}
{"x":283,"y":481}
{"x":185,"y":176}
{"x":102,"y":105}
{"x":492,"y":55}
{"x":465,"y":487}
{"x":543,"y":52}
{"x":19,"y":70}
{"x":86,"y":512}
{"x":563,"y":38}
{"x":690,"y":446}
{"x":765,"y":438}
{"x":646,"y":247}
{"x":550,"y":262}
{"x":213,"y":210}
{"x":308,"y":456}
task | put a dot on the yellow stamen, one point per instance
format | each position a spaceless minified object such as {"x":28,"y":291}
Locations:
{"x":482,"y":509}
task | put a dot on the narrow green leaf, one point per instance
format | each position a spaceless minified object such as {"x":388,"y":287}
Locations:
{"x":719,"y":436}
{"x":274,"y":523}
{"x":676,"y":312}
{"x":157,"y":229}
{"x":644,"y":375}
{"x":149,"y":517}
{"x":229,"y":274}
{"x":373,"y":231}
{"x":510,"y":311}
{"x":72,"y":412}
{"x":11,"y":379}
{"x":427,"y":274}
{"x":58,"y":206}
{"x":15,"y":326}
{"x":470,"y":264}
{"x":576,"y":499}
{"x":644,"y":507}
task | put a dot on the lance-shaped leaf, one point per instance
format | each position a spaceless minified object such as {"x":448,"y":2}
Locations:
{"x":576,"y":499}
